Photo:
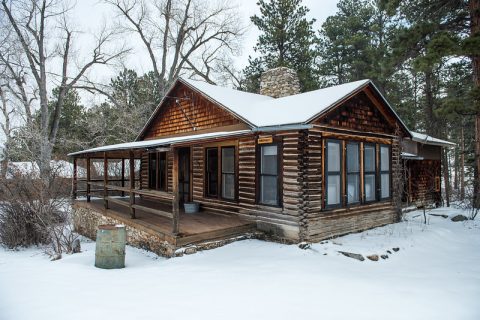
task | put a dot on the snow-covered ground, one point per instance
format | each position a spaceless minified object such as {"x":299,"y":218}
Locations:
{"x":435,"y":275}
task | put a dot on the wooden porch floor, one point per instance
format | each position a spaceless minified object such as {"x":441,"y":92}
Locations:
{"x":197,"y":227}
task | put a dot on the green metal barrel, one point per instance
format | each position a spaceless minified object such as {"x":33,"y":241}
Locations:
{"x":110,"y":247}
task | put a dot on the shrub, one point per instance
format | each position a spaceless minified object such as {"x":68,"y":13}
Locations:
{"x":33,"y":212}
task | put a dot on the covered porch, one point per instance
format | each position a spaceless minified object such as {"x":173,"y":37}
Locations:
{"x":109,"y":181}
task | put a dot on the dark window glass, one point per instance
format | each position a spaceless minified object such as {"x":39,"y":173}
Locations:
{"x":269,"y":193}
{"x":228,"y":172}
{"x":162,"y":171}
{"x":152,"y":170}
{"x":212,"y":172}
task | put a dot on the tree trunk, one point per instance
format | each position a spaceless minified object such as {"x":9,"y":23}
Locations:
{"x":43,"y":161}
{"x":462,"y":164}
{"x":446,"y":176}
{"x":474,"y":8}
{"x":456,"y":168}
{"x":430,"y":124}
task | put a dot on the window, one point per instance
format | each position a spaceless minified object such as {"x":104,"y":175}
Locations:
{"x":353,"y":173}
{"x":152,"y":171}
{"x":228,"y":172}
{"x":369,"y":168}
{"x":333,"y":173}
{"x":212,"y":172}
{"x":162,"y":171}
{"x":269,"y":191}
{"x":157,"y":171}
{"x":384,"y":171}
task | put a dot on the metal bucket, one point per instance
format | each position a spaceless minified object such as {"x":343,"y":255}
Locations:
{"x":191,"y":207}
{"x":110,"y":246}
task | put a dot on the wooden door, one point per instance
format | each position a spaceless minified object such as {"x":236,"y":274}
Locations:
{"x":184,"y":175}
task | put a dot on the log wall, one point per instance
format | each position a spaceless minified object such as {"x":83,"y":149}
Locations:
{"x":318,"y":223}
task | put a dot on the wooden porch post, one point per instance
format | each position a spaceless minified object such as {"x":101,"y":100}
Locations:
{"x":74,"y":180}
{"x":132,"y":185}
{"x":105,"y":180}
{"x":175,"y":204}
{"x":88,"y":179}
{"x":123,"y":176}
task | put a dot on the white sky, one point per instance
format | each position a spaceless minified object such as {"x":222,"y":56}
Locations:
{"x":90,"y":15}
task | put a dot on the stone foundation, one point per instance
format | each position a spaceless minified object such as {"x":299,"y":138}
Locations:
{"x":86,"y":222}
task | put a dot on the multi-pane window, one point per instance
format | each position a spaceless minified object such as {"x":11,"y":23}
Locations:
{"x":384,"y":171}
{"x":269,"y":193}
{"x":228,"y":172}
{"x":353,"y":173}
{"x":352,"y":176}
{"x":212,"y":172}
{"x":157,"y":171}
{"x":333,"y":173}
{"x":369,"y":168}
{"x":220,"y":172}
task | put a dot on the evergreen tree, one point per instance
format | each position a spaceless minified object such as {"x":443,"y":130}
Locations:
{"x":354,"y":44}
{"x":287,"y":39}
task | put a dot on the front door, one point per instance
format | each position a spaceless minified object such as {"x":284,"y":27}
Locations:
{"x":184,"y":175}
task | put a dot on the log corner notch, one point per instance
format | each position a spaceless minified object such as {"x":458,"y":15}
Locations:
{"x":175,"y":201}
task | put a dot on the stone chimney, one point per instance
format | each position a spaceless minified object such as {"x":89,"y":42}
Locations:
{"x":279,"y":82}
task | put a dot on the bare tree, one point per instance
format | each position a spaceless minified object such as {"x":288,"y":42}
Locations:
{"x":46,"y":39}
{"x":190,"y":37}
{"x":6,"y":127}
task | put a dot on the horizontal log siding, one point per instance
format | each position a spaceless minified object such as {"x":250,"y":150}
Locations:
{"x":144,"y":171}
{"x":282,"y":222}
{"x":317,"y":224}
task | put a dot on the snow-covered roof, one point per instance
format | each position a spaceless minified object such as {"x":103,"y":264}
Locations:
{"x":145,"y":144}
{"x":261,"y":111}
{"x":407,"y":155}
{"x":264,"y":111}
{"x":426,"y":139}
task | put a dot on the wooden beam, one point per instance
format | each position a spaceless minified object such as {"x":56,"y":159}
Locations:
{"x":88,"y":179}
{"x":74,"y":180}
{"x":123,"y":176}
{"x":105,"y":180}
{"x":132,"y":185}
{"x":175,"y":204}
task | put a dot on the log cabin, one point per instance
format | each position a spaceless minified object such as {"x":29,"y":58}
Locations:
{"x":287,"y":165}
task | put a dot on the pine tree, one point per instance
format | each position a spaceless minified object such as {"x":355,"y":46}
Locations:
{"x":354,"y":44}
{"x":287,"y":39}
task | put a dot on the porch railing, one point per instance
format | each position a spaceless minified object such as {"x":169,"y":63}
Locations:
{"x":105,"y":186}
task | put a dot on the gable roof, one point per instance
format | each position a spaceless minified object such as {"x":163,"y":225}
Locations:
{"x":259,"y":111}
{"x":265,"y":111}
